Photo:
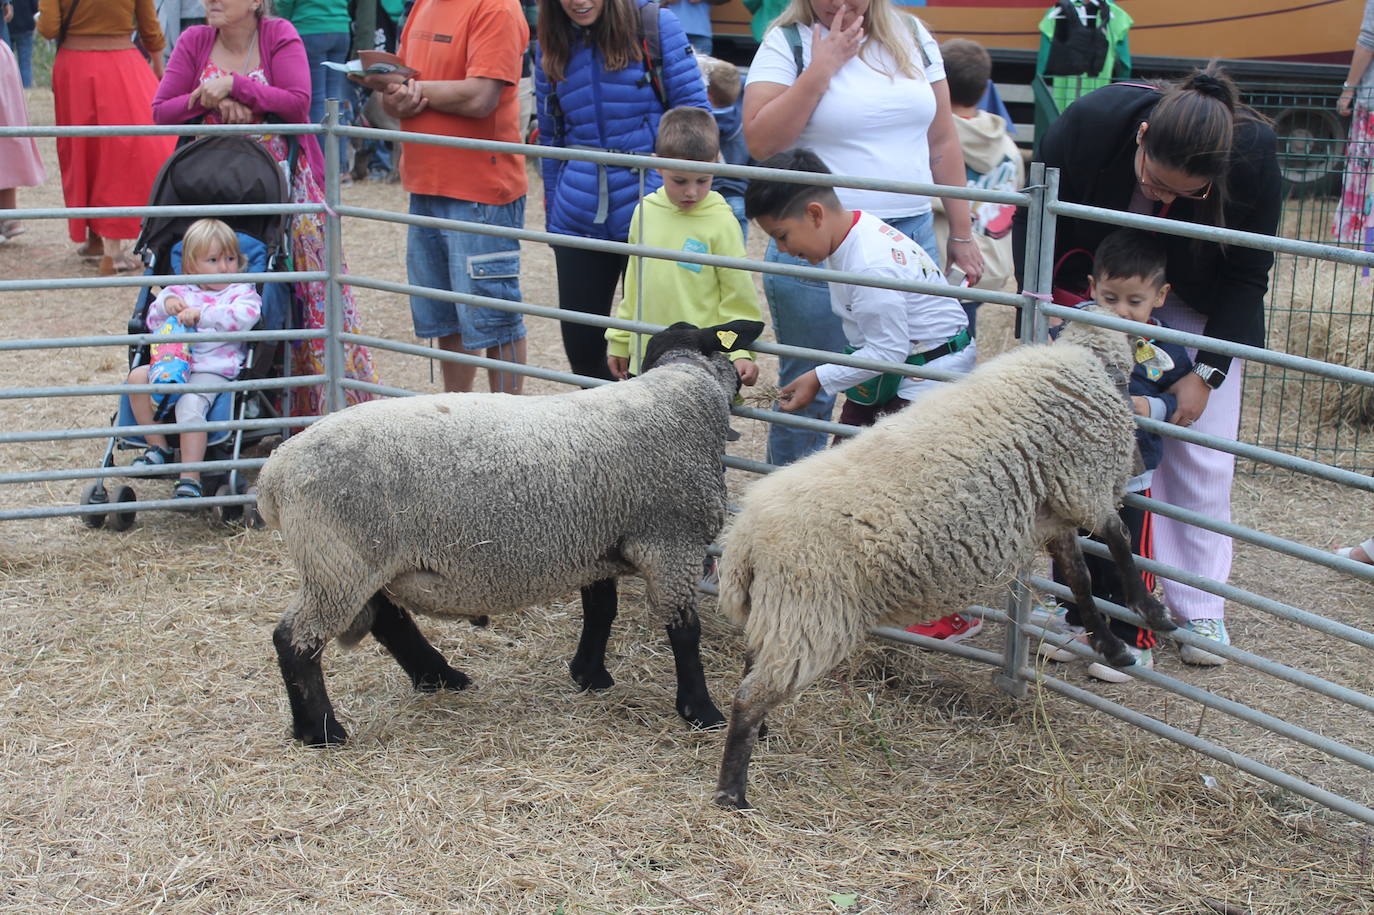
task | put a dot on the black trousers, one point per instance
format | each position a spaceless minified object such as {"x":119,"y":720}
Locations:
{"x":586,"y":283}
{"x":1107,"y":583}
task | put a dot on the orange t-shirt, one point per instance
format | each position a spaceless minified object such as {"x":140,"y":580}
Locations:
{"x":458,"y":39}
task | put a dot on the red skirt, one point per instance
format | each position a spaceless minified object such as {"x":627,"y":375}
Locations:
{"x":106,"y":88}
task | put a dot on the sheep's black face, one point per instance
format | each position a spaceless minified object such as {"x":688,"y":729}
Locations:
{"x":683,"y":340}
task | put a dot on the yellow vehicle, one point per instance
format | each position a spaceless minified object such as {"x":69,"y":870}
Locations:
{"x":1313,"y":31}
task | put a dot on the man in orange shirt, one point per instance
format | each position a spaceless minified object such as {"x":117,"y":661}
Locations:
{"x":468,"y":56}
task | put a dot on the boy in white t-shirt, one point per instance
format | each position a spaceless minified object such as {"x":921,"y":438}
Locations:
{"x":889,"y":325}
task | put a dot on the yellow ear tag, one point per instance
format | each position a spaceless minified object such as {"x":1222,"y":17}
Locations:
{"x":1144,"y":352}
{"x":727,"y":339}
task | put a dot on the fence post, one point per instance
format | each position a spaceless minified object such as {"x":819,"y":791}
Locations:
{"x":1043,"y":187}
{"x":333,"y":237}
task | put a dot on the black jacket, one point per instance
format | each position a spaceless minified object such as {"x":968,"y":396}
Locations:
{"x":23,"y":15}
{"x":1093,"y":145}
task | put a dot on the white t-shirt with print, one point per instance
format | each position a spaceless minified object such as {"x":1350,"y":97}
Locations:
{"x":868,"y":123}
{"x":890,"y":324}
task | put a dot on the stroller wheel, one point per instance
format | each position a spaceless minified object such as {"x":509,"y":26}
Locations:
{"x":94,"y":494}
{"x":122,"y":521}
{"x":228,"y":514}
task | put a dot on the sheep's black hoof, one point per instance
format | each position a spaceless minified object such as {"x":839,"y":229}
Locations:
{"x":728,"y":800}
{"x":446,"y":678}
{"x":588,"y":677}
{"x":1112,"y":650}
{"x":330,"y":734}
{"x":1156,"y":614}
{"x":708,"y":719}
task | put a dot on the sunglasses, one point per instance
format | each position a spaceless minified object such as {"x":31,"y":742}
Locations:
{"x":1147,"y":182}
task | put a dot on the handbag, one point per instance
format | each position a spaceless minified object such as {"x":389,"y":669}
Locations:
{"x":1068,"y":287}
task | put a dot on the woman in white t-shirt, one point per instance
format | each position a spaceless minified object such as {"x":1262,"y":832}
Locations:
{"x":872,"y":103}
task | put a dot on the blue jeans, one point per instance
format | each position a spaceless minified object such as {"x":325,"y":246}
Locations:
{"x":327,"y":83}
{"x":801,"y":315}
{"x":22,"y":42}
{"x":465,"y":262}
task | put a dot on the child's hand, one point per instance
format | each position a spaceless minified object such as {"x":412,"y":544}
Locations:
{"x":748,"y":371}
{"x":1140,"y":406}
{"x":619,"y":366}
{"x":189,"y":317}
{"x":173,"y":305}
{"x":799,"y":393}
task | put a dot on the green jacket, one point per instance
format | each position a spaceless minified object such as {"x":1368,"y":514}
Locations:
{"x":315,"y":17}
{"x":764,"y":11}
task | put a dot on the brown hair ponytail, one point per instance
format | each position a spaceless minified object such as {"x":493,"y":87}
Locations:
{"x":1193,"y":126}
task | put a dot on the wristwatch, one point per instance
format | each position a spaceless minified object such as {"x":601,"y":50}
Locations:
{"x":1212,"y":375}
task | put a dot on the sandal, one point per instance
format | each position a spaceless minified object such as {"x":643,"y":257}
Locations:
{"x":1367,"y":548}
{"x":187,"y":488}
{"x":153,"y":456}
{"x":12,"y":228}
{"x":110,"y":266}
{"x":92,"y":250}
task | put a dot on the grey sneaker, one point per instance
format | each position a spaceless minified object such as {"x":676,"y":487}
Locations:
{"x":1207,"y":629}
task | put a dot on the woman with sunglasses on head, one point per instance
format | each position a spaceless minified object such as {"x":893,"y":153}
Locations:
{"x":1188,"y":151}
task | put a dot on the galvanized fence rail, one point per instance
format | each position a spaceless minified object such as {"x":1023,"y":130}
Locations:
{"x":1013,"y":667}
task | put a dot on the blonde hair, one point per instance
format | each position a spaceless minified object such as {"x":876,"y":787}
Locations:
{"x":203,"y":234}
{"x":882,"y":23}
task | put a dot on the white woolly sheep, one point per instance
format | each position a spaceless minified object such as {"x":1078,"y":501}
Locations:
{"x":934,"y":508}
{"x":471,"y":504}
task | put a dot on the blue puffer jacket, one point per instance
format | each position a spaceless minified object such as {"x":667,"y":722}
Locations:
{"x":613,"y":110}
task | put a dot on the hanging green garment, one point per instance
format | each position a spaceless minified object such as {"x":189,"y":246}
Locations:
{"x":1065,"y":89}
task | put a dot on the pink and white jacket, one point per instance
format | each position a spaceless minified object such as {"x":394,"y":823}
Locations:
{"x":235,"y":307}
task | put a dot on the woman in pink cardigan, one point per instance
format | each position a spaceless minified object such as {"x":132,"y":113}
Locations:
{"x":239,"y":69}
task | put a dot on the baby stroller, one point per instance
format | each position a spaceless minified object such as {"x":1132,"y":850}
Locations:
{"x":211,"y":170}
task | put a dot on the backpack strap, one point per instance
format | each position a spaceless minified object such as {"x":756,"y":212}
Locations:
{"x":793,"y":33}
{"x":651,"y":44}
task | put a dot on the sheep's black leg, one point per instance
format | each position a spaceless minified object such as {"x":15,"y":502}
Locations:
{"x":1069,"y":558}
{"x":693,"y":699}
{"x":1113,"y":532}
{"x":746,"y":719}
{"x":396,"y":630}
{"x":588,"y":666}
{"x":312,"y":717}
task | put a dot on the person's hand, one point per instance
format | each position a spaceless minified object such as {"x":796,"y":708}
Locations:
{"x":1343,"y":104}
{"x":619,"y":366}
{"x":9,"y":11}
{"x":173,"y":305}
{"x":748,"y":371}
{"x":799,"y":393}
{"x":1192,"y":393}
{"x":966,"y":256}
{"x":840,"y":44}
{"x":158,"y":63}
{"x":234,"y":112}
{"x":211,"y":92}
{"x":1139,"y":405}
{"x":189,"y":317}
{"x":404,"y":100}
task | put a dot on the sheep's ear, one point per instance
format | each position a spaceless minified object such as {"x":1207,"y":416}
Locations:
{"x":726,"y":338}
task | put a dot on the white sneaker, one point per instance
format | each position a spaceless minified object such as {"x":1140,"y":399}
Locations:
{"x":1052,"y":652}
{"x":1207,"y":629}
{"x":1050,"y":614}
{"x":1144,"y":658}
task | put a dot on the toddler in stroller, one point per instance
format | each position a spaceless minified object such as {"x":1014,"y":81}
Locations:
{"x":209,"y":246}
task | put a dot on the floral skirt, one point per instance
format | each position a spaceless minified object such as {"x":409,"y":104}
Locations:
{"x":1354,"y":223}
{"x":308,"y":253}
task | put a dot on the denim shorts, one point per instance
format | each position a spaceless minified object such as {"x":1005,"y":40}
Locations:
{"x":465,"y":262}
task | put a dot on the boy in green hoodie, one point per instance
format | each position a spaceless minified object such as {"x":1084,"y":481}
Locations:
{"x":684,"y":215}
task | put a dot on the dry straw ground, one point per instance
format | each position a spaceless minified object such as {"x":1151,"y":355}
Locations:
{"x":145,"y":762}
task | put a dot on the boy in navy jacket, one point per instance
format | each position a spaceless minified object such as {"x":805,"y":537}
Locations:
{"x":1129,"y":277}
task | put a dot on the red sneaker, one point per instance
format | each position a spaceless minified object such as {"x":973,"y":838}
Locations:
{"x":953,"y":628}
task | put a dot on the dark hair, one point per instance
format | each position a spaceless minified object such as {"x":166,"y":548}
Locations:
{"x":1193,"y":126}
{"x":688,"y":133}
{"x":784,"y":199}
{"x":967,"y":70}
{"x":1128,"y":253}
{"x":615,"y":33}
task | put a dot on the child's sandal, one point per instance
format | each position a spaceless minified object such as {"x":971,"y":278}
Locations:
{"x":153,"y":456}
{"x":187,"y":488}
